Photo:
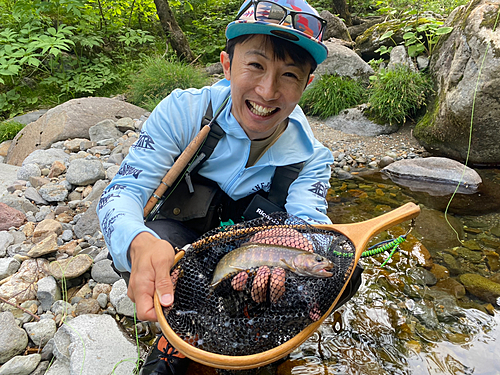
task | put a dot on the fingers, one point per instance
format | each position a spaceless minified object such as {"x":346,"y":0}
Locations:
{"x":239,"y":282}
{"x":151,"y":260}
{"x":260,"y":283}
{"x":277,"y":284}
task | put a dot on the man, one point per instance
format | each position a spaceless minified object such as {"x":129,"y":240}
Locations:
{"x":272,"y":50}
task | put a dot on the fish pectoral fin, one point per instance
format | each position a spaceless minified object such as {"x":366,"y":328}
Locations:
{"x":287,"y":265}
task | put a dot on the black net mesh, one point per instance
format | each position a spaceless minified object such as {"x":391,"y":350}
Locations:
{"x":263,"y":306}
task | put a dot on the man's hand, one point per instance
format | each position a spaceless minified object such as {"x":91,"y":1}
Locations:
{"x":152,"y":260}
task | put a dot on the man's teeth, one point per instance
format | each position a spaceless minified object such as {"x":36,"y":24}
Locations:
{"x":260,"y":110}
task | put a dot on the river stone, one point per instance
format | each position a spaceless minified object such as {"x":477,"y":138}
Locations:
{"x":46,"y":246}
{"x":87,"y":306}
{"x":344,"y":62}
{"x":451,"y":286}
{"x":53,"y":192}
{"x":96,"y":191}
{"x":8,"y":266}
{"x":472,"y":48}
{"x":21,"y":365}
{"x":10,"y":217}
{"x":6,"y":239}
{"x":399,"y":57}
{"x":19,"y":203}
{"x":100,"y":334}
{"x":105,"y":129}
{"x":47,"y":292}
{"x":13,"y":339}
{"x":28,"y":170}
{"x":45,"y":158}
{"x":41,"y":332}
{"x":73,"y":145}
{"x":434,"y":175}
{"x":102,"y":272}
{"x":120,"y":300}
{"x":56,"y":169}
{"x":88,"y":224}
{"x":70,"y":268}
{"x":82,"y":172}
{"x":22,"y":285}
{"x":42,"y":367}
{"x":46,"y":228}
{"x":32,"y":194}
{"x":68,"y":120}
{"x":481,"y":287}
{"x":112,"y":171}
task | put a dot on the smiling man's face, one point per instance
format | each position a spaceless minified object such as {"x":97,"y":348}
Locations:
{"x":264,"y":90}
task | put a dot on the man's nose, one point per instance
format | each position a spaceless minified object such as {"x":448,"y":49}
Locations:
{"x":268,"y":87}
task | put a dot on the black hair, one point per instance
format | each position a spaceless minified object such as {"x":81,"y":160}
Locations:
{"x":281,"y":48}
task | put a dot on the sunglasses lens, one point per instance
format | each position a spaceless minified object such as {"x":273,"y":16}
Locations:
{"x":308,"y":24}
{"x":269,"y":12}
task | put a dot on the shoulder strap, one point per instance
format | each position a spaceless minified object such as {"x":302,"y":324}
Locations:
{"x":282,"y":179}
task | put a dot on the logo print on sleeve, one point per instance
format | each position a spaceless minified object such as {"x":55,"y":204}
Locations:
{"x":265,"y":186}
{"x":107,"y":224}
{"x":144,"y":142}
{"x":105,"y":199}
{"x":126,"y":170}
{"x":320,"y":189}
{"x":115,"y":188}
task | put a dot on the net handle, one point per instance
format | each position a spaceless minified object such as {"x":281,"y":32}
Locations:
{"x":358,"y":233}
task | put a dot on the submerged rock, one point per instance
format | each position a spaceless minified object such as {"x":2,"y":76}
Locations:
{"x":481,"y":287}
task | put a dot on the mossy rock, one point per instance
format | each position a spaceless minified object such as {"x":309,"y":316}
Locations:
{"x":481,"y":287}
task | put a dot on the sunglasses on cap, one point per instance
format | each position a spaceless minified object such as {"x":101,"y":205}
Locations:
{"x":270,"y":12}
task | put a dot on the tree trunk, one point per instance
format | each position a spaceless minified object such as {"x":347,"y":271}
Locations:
{"x":174,"y":34}
{"x":342,"y":10}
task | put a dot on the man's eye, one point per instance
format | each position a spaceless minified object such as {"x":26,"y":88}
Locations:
{"x":256,"y":65}
{"x":291,"y":75}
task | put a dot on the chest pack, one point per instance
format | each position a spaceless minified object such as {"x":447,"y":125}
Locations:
{"x":202,"y":205}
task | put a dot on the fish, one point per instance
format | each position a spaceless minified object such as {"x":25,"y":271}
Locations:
{"x":252,"y":255}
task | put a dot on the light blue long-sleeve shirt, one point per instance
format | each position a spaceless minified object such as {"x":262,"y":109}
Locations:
{"x":168,"y":131}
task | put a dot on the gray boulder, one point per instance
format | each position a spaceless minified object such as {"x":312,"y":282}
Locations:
{"x":344,"y":62}
{"x":471,"y":46}
{"x":100,"y":334}
{"x":400,"y":57}
{"x":335,"y":27}
{"x":68,"y":120}
{"x":13,"y":339}
{"x":434,"y":175}
{"x":88,"y":223}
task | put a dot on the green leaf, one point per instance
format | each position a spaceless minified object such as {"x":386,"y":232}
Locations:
{"x":388,"y":34}
{"x":188,"y":7}
{"x":409,"y":35}
{"x":444,"y":30}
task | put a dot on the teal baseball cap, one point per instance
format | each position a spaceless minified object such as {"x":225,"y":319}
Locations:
{"x":293,"y":20}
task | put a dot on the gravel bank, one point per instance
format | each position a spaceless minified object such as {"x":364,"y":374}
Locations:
{"x":356,"y":152}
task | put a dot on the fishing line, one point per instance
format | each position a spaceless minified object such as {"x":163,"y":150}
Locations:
{"x":470,"y":130}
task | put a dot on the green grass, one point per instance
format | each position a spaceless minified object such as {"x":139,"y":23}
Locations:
{"x":397,"y":94}
{"x":160,"y":77}
{"x":9,"y":129}
{"x":331,"y":94}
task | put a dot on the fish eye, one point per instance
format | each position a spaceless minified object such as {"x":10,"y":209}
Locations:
{"x":319,"y":258}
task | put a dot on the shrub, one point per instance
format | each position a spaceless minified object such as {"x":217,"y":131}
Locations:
{"x":398,"y":94}
{"x":9,"y":129}
{"x":159,"y":78}
{"x":331,"y":94}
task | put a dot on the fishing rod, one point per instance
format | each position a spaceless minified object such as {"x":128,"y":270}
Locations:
{"x":188,"y":156}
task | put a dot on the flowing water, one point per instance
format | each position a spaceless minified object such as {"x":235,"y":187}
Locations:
{"x":413,"y":316}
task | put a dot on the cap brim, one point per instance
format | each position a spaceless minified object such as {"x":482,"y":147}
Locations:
{"x":318,"y":50}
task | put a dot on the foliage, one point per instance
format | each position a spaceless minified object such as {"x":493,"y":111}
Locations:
{"x":9,"y":129}
{"x":425,"y":37}
{"x":331,"y":94}
{"x":397,"y":94}
{"x":159,"y":77}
